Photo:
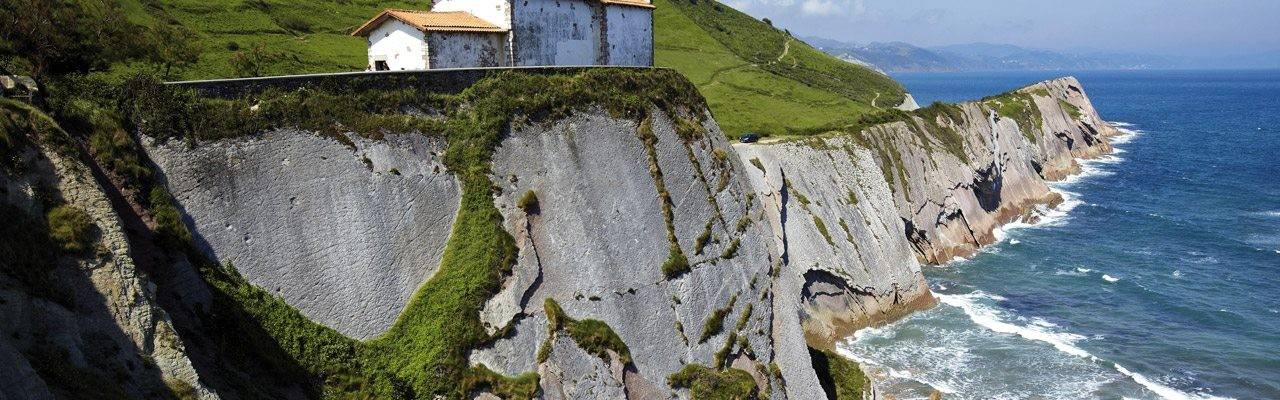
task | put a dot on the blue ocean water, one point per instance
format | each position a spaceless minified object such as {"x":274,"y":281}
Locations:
{"x":1159,"y":277}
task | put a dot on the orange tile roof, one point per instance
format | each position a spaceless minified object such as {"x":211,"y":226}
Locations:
{"x":457,"y":21}
{"x":633,"y":3}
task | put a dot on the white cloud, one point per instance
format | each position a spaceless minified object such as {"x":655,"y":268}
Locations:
{"x":808,"y":7}
{"x":822,"y":7}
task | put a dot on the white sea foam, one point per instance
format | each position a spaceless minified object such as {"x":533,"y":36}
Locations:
{"x":1083,"y":270}
{"x":990,"y":318}
{"x":1119,"y":124}
{"x":1044,"y":216}
{"x":1177,"y":274}
{"x":863,"y":333}
{"x":1076,"y":272}
{"x":1162,"y":390}
{"x":1127,"y":134}
{"x":1014,"y":241}
{"x":1110,"y":278}
{"x":1065,"y":342}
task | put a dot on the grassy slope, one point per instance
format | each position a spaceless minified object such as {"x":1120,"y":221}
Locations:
{"x":310,"y":36}
{"x":734,"y":59}
{"x":739,"y":64}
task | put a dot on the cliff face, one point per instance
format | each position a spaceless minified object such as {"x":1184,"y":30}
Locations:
{"x":344,"y":233}
{"x":1014,"y":144}
{"x":855,"y":211}
{"x":84,"y":320}
{"x":647,"y":256}
{"x":1009,"y":148}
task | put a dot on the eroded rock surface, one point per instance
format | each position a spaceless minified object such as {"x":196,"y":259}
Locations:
{"x":855,"y":212}
{"x":344,"y":233}
{"x":599,"y":237}
{"x":97,"y":325}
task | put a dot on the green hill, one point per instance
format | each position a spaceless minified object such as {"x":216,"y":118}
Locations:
{"x":757,"y":78}
{"x":267,"y":37}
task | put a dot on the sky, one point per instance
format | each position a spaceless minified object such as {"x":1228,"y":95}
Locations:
{"x":1184,"y":29}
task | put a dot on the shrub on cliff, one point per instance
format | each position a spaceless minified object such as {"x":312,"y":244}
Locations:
{"x":72,"y":228}
{"x":708,"y":384}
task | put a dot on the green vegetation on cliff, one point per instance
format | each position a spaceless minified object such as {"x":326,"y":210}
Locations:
{"x":424,"y":354}
{"x":708,"y":384}
{"x":761,"y":79}
{"x":593,"y":336}
{"x":840,"y":377}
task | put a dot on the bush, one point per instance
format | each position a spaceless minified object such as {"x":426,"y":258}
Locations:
{"x":676,"y":264}
{"x":708,"y":384}
{"x":529,"y":203}
{"x":840,"y":377}
{"x":71,"y":228}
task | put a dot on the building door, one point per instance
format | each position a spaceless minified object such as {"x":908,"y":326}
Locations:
{"x":381,"y":65}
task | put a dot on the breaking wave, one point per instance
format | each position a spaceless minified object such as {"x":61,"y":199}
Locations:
{"x":1042,"y":331}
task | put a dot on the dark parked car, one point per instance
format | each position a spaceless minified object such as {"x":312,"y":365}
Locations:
{"x":749,"y":138}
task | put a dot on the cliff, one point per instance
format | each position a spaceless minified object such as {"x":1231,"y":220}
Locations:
{"x":870,"y":203}
{"x":551,"y":235}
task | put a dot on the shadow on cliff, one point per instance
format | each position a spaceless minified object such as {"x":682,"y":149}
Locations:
{"x":233,"y":355}
{"x":61,"y":318}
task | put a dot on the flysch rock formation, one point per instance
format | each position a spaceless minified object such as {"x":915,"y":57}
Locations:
{"x":952,"y":207}
{"x":599,"y":236}
{"x":855,"y":234}
{"x":345,"y":233}
{"x":838,"y":228}
{"x":795,"y":244}
{"x":103,"y":321}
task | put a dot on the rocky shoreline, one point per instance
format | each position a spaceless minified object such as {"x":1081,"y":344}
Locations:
{"x":943,"y":206}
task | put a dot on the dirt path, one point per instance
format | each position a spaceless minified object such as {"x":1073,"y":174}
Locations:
{"x":786,"y":48}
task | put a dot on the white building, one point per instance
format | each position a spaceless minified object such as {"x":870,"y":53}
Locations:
{"x":499,"y":33}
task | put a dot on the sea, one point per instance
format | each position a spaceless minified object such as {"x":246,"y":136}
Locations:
{"x":1159,"y":277}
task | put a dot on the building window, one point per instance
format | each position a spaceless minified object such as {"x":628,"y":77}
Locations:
{"x":381,"y":65}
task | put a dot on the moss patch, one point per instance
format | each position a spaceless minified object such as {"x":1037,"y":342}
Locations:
{"x":1021,"y":108}
{"x":715,"y":322}
{"x":593,"y":336}
{"x":822,"y":228}
{"x":528,"y":202}
{"x":1071,"y":109}
{"x":709,"y":384}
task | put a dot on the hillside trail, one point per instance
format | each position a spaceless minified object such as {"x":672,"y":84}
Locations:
{"x":786,"y":50}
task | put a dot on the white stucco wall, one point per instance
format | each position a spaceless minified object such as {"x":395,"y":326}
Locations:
{"x":466,"y":49}
{"x":400,"y":45}
{"x":556,"y":32}
{"x":629,"y":31}
{"x":497,"y":12}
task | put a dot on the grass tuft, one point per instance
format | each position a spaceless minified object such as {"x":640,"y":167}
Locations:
{"x":593,"y":336}
{"x":709,"y":384}
{"x":72,"y":229}
{"x":715,"y":322}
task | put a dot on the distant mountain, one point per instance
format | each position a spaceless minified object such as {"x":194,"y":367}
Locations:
{"x":905,"y":57}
